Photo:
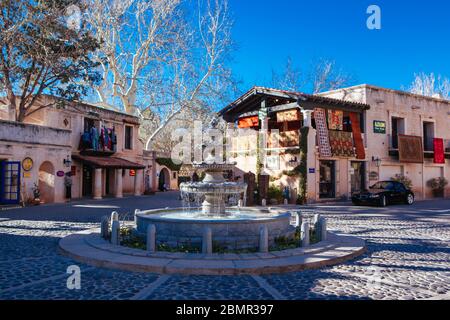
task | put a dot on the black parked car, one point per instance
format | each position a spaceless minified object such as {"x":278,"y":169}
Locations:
{"x":384,"y":193}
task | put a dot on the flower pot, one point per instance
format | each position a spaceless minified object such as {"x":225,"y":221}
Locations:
{"x":438,"y":193}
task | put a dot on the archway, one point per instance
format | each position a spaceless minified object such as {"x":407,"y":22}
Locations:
{"x":47,"y":182}
{"x":164,"y":179}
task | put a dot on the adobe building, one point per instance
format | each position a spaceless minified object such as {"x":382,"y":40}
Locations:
{"x":162,"y":173}
{"x":336,"y":143}
{"x":394,"y":114}
{"x":95,"y":150}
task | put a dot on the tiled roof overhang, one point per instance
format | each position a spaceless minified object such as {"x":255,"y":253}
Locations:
{"x":107,"y":162}
{"x":252,"y":99}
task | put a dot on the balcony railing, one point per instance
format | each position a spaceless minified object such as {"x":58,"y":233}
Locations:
{"x":101,"y":145}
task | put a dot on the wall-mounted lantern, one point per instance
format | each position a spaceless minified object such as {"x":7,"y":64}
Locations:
{"x":377,"y":161}
{"x":67,"y":162}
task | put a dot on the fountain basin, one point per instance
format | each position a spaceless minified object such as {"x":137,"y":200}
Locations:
{"x":237,"y":230}
{"x":224,"y":188}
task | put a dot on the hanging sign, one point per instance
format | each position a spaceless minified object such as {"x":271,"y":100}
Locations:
{"x":27,"y":175}
{"x":379,"y":127}
{"x":60,"y":174}
{"x":132,"y":173}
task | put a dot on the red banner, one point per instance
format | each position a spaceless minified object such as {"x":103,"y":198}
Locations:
{"x":439,"y":156}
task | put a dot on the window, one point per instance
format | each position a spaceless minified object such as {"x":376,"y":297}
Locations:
{"x":88,"y":124}
{"x":398,"y":127}
{"x":384,"y":185}
{"x":428,"y":136}
{"x":128,"y":137}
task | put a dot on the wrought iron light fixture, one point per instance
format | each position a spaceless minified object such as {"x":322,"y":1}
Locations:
{"x":377,"y":161}
{"x":67,"y":162}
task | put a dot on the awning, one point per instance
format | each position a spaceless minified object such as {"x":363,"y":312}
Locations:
{"x":107,"y":162}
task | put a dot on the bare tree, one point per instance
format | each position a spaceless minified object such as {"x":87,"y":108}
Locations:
{"x":290,"y":79}
{"x":162,"y":57}
{"x":41,"y":54}
{"x":430,"y":85}
{"x":323,"y":75}
{"x":201,"y":79}
{"x":327,"y":76}
{"x":136,"y":36}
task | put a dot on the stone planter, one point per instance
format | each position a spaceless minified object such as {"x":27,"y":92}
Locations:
{"x":241,"y":233}
{"x":438,"y":193}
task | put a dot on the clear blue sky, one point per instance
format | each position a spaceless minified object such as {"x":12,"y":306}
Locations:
{"x":415,"y":37}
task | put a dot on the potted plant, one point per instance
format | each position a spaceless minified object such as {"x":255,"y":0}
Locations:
{"x":403,"y":179}
{"x":275,"y":195}
{"x":36,"y":195}
{"x":438,"y":186}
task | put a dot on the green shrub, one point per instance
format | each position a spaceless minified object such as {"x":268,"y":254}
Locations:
{"x":437,"y":184}
{"x":275,"y":193}
{"x":168,"y":163}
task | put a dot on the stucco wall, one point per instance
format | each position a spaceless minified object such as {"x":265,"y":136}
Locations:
{"x":66,"y":127}
{"x":41,"y":144}
{"x":386,"y":104}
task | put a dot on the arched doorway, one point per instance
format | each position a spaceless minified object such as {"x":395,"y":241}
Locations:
{"x":47,"y":182}
{"x":164,"y":179}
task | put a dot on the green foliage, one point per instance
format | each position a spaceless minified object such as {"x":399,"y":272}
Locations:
{"x":217,"y":248}
{"x":167,"y":162}
{"x":183,"y":248}
{"x":131,"y":240}
{"x":303,"y":168}
{"x":403,"y":179}
{"x":294,"y":172}
{"x":275,"y":193}
{"x":42,"y":54}
{"x":259,"y":164}
{"x":285,"y":243}
{"x":313,"y":236}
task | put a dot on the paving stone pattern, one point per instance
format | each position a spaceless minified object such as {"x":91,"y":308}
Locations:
{"x":408,"y":258}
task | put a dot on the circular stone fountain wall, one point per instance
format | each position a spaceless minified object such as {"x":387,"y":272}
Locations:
{"x":238,"y":230}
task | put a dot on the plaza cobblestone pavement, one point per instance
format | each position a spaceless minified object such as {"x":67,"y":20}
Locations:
{"x":408,"y":257}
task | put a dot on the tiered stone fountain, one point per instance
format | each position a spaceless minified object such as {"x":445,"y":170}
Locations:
{"x":234,"y":228}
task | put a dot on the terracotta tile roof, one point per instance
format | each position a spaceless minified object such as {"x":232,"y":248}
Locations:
{"x":108,"y":162}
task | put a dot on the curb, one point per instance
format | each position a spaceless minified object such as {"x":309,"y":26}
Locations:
{"x":104,"y":255}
